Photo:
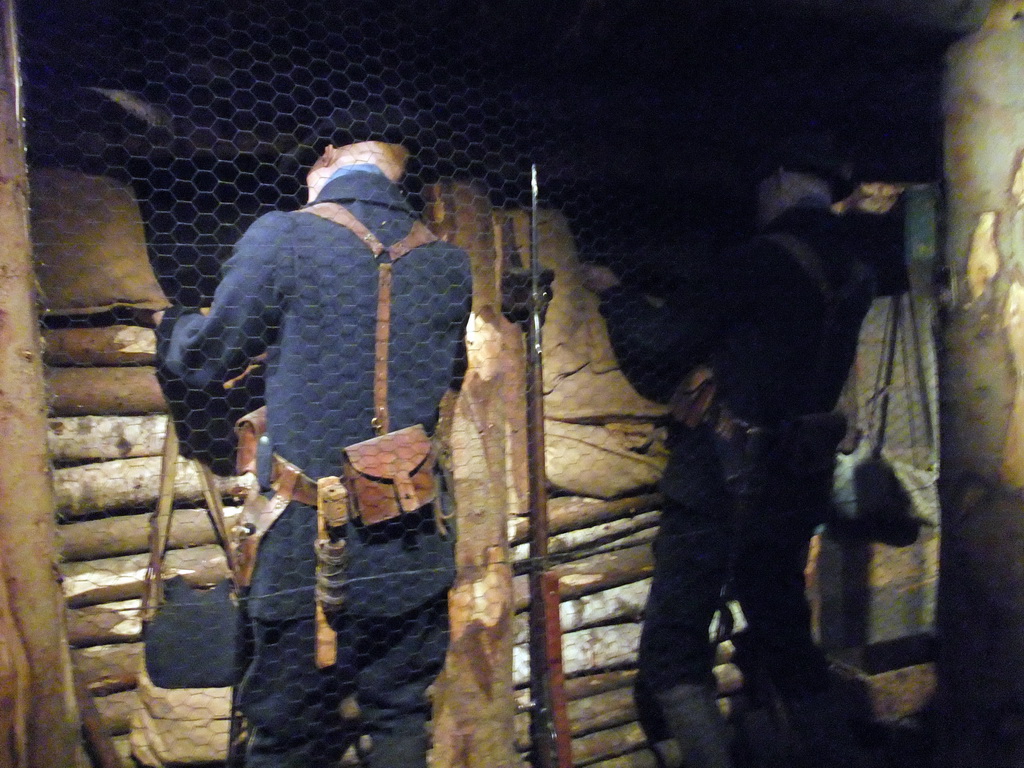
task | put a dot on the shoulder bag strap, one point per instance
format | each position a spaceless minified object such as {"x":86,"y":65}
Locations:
{"x":160,"y":520}
{"x":160,"y":525}
{"x":886,"y":365}
{"x":806,"y":257}
{"x":418,"y":235}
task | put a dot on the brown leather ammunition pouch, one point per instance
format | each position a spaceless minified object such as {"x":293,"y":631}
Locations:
{"x":249,"y":429}
{"x":391,"y":474}
{"x":245,"y":537}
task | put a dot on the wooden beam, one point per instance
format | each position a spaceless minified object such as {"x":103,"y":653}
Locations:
{"x":129,"y":534}
{"x":45,"y":731}
{"x":109,"y":345}
{"x":95,"y":438}
{"x":81,"y":391}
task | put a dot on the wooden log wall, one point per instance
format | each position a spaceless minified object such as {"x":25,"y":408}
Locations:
{"x":106,"y":431}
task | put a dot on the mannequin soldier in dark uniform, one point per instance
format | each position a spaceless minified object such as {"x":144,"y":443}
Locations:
{"x":301,"y":291}
{"x":752,"y":452}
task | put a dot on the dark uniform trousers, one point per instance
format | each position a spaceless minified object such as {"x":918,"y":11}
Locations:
{"x":692,"y":554}
{"x":389,"y":652}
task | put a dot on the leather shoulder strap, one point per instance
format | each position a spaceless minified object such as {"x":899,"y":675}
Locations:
{"x":806,"y":258}
{"x":418,"y":235}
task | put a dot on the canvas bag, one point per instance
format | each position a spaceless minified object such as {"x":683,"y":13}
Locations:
{"x":190,"y":640}
{"x":90,"y":256}
{"x":869,"y":501}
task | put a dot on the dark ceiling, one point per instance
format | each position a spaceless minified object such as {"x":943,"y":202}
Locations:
{"x":651,"y":91}
{"x":632,"y":101}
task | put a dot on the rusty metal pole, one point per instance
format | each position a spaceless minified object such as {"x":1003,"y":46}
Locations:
{"x":549,"y":726}
{"x":981,"y":596}
{"x":38,"y":701}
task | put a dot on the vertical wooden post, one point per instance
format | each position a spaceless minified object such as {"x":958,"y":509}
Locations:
{"x":40,"y":705}
{"x":474,"y":708}
{"x":981,"y":599}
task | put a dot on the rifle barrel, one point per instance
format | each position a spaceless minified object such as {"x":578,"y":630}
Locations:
{"x":549,"y":731}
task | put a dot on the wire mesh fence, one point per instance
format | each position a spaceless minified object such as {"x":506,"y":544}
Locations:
{"x":186,"y":280}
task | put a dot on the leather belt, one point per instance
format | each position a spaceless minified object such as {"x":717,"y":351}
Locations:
{"x":284,"y":474}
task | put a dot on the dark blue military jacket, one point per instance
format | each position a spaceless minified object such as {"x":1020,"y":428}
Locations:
{"x":303,"y":290}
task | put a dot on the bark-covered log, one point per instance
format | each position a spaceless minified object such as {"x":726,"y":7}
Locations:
{"x":15,"y":677}
{"x":613,"y":647}
{"x":103,"y":665}
{"x":642,"y":758}
{"x":44,"y":727}
{"x":595,"y":574}
{"x":615,"y":605}
{"x":95,"y":438}
{"x":129,"y":534}
{"x":108,"y":346}
{"x":594,"y":713}
{"x":612,"y":703}
{"x":606,"y":744}
{"x":725,"y":652}
{"x":473,"y":707}
{"x":123,"y":745}
{"x":119,"y":622}
{"x":586,"y":685}
{"x":104,"y":686}
{"x":126,"y":483}
{"x":591,"y":685}
{"x":981,"y":611}
{"x":120,"y":578}
{"x":98,"y":742}
{"x":116,"y":711}
{"x":571,"y":513}
{"x":594,"y":538}
{"x":104,"y":391}
{"x":586,"y":651}
{"x":728,"y":679}
{"x":607,"y":710}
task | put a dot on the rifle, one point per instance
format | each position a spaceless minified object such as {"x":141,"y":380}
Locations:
{"x":549,"y":719}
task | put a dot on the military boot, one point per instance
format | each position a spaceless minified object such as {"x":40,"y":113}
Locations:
{"x":696,"y":725}
{"x":821,"y":725}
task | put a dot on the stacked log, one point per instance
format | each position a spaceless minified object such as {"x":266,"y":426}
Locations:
{"x":604,"y":563}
